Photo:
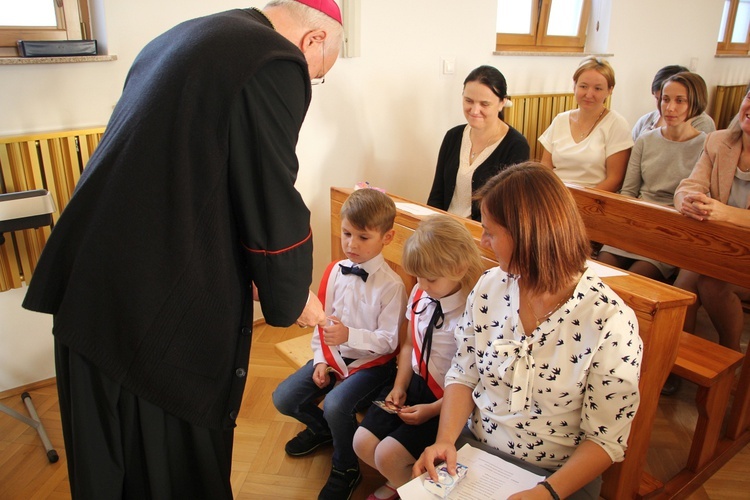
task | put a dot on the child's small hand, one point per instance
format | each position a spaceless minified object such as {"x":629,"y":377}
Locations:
{"x":335,"y":333}
{"x":321,"y":376}
{"x":396,"y":396}
{"x":415,"y":415}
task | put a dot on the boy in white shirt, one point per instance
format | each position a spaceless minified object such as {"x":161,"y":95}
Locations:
{"x":364,"y":301}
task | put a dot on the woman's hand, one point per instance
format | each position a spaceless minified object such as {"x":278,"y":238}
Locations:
{"x":435,"y":454}
{"x":702,"y":207}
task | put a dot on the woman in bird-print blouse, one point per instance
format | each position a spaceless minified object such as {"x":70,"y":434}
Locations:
{"x":548,"y":355}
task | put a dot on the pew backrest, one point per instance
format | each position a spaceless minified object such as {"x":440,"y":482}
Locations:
{"x":715,"y":249}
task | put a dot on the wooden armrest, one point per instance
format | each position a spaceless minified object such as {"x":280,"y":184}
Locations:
{"x":702,"y":361}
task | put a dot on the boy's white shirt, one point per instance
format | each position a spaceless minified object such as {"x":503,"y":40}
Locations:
{"x":372,"y":311}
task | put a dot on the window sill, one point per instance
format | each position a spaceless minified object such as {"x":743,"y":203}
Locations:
{"x":14,"y":61}
{"x":731,"y":55}
{"x":547,"y":54}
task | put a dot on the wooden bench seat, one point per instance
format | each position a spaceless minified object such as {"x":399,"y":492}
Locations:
{"x":295,"y":351}
{"x":712,"y":367}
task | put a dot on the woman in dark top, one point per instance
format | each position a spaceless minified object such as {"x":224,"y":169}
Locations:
{"x":472,"y":153}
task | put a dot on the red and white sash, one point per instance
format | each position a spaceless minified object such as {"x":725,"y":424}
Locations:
{"x":426,"y":373}
{"x":332,"y":354}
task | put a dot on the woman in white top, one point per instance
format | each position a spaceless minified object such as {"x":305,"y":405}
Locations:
{"x":589,"y":146}
{"x":661,"y":159}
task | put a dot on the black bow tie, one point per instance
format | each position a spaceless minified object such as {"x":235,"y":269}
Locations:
{"x":358,"y":271}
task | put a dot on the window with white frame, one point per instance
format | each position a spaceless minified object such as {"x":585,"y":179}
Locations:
{"x":42,"y":20}
{"x":734,"y":32}
{"x":542,"y":25}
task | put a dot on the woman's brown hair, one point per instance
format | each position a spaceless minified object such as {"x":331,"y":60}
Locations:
{"x":697,"y":93}
{"x":550,"y":246}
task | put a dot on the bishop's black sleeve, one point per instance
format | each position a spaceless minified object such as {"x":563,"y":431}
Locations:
{"x":273,"y":221}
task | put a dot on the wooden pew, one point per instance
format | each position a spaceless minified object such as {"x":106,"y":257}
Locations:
{"x":710,"y":248}
{"x":659,"y":308}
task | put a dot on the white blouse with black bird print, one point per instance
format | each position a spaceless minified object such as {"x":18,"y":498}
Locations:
{"x":574,"y":377}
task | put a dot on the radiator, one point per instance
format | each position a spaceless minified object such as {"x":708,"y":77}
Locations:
{"x":51,"y":161}
{"x":726,"y":104}
{"x":532,"y":114}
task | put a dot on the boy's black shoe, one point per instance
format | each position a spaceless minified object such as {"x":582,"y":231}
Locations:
{"x":341,"y":484}
{"x":306,"y":442}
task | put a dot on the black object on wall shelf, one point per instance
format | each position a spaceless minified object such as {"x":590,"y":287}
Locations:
{"x":56,"y":48}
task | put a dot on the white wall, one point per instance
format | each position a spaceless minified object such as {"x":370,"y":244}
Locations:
{"x":379,"y":117}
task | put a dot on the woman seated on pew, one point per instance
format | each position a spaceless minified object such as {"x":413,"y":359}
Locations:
{"x":590,"y":145}
{"x":719,"y":189}
{"x":654,"y":120}
{"x":472,"y":153}
{"x":548,"y":355}
{"x":661,"y":158}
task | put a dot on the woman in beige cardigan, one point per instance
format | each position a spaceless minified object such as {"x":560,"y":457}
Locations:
{"x":719,"y":189}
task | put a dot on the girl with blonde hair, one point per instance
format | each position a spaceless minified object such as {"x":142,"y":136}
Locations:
{"x":445,"y":259}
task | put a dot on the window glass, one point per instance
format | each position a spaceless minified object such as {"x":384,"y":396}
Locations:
{"x":565,"y":15}
{"x":514,"y":16}
{"x":542,"y":25}
{"x":741,"y":22}
{"x":724,"y":18}
{"x":27,"y":13}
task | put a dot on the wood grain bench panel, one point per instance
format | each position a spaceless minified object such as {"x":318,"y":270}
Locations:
{"x":296,"y":351}
{"x":701,"y":362}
